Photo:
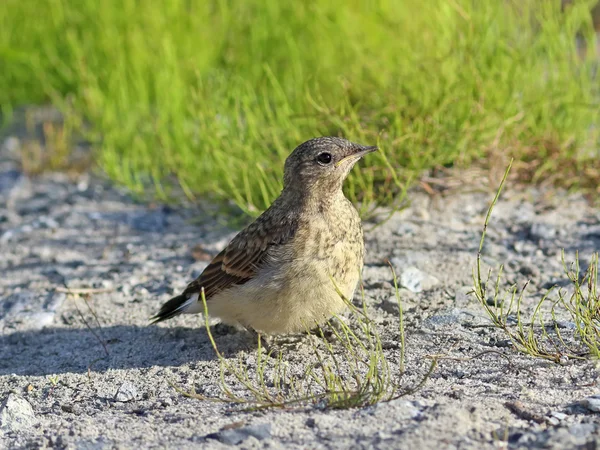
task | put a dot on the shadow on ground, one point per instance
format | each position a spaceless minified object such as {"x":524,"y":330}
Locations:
{"x":63,"y":350}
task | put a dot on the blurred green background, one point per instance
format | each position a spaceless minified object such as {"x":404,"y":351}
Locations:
{"x":213,"y":95}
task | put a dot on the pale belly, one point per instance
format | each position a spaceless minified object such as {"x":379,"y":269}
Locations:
{"x":295,"y":295}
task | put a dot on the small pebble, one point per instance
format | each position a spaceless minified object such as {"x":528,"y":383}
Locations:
{"x":558,"y":415}
{"x":126,"y":393}
{"x":542,"y":231}
{"x":238,"y":435}
{"x":592,"y":403}
{"x":529,"y":270}
{"x":415,"y":280}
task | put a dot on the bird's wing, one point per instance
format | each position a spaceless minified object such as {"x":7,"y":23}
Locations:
{"x":239,"y":262}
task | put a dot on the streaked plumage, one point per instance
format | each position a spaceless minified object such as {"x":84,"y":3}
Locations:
{"x":277,"y":275}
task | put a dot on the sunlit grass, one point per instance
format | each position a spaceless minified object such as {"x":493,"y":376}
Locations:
{"x":213,"y":95}
{"x":541,"y":333}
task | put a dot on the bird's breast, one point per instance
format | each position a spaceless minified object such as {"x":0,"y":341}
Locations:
{"x":333,"y":244}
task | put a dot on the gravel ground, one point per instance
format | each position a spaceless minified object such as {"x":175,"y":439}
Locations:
{"x":73,"y":376}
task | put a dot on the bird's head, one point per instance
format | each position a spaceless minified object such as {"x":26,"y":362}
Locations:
{"x":322,"y":164}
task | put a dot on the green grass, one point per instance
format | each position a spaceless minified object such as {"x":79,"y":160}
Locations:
{"x":345,"y":367}
{"x":538,"y":333}
{"x":213,"y":95}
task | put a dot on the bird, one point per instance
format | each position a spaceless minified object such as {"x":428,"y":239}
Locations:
{"x":293,"y":267}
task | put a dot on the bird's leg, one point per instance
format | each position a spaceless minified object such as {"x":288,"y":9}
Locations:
{"x":336,"y":323}
{"x":295,"y":338}
{"x":264,"y":341}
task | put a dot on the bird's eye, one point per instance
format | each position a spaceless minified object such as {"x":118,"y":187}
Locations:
{"x":324,"y":158}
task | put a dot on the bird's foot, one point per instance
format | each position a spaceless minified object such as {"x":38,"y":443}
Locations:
{"x":329,"y":331}
{"x":262,"y":340}
{"x":223,"y":329}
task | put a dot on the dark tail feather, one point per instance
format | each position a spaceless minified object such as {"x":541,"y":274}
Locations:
{"x":170,"y":309}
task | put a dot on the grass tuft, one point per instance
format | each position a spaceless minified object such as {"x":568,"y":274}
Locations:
{"x":565,"y":322}
{"x":348,"y":369}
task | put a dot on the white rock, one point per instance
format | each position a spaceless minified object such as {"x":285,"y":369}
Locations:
{"x":16,"y":414}
{"x":11,"y":144}
{"x":592,"y":403}
{"x":126,"y":393}
{"x":415,"y":280}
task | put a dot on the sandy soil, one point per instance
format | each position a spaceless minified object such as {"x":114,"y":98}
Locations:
{"x":69,"y":381}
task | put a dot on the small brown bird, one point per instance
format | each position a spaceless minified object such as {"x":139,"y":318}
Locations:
{"x":281,"y":274}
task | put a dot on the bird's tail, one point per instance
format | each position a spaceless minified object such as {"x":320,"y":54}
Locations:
{"x":177,"y":305}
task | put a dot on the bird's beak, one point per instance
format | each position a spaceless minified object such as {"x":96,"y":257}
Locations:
{"x":362,"y":151}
